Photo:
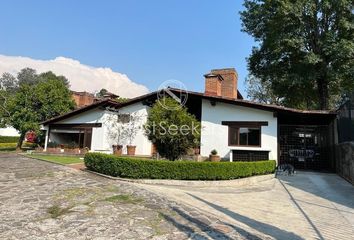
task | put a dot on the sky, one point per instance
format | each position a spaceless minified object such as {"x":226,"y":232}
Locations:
{"x":147,"y":42}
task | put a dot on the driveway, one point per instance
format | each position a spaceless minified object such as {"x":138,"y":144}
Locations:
{"x":304,"y":206}
{"x":41,"y":200}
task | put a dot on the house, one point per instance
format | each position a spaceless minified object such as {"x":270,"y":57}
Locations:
{"x":82,"y":99}
{"x":240,"y":130}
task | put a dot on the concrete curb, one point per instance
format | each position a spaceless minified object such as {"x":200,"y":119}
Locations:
{"x":194,"y":183}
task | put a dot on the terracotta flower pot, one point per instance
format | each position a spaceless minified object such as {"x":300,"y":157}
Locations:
{"x":196,"y":151}
{"x":214,"y":158}
{"x":117,"y":149}
{"x":131,"y":150}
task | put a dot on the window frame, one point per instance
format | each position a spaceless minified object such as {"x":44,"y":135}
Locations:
{"x":238,"y":125}
{"x":238,"y":134}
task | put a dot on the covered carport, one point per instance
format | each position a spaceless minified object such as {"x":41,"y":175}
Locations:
{"x":306,"y":139}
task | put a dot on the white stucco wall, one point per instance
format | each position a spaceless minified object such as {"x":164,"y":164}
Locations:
{"x":101,"y":142}
{"x":142,"y":143}
{"x":214,"y":135}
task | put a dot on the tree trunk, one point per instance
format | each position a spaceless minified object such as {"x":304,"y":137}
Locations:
{"x":20,"y":140}
{"x":323,"y":94}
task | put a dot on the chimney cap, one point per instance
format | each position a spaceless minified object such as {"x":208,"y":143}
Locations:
{"x":209,"y":75}
{"x":223,"y":69}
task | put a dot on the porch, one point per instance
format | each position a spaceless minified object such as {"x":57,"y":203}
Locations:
{"x":69,"y":138}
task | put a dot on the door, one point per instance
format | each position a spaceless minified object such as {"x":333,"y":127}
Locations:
{"x":87,"y":138}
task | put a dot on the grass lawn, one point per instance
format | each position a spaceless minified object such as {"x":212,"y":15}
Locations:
{"x":58,"y":159}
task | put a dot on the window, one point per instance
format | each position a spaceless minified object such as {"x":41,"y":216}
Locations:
{"x":244,"y":136}
{"x":124,"y":118}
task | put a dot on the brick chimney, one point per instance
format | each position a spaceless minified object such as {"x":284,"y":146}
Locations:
{"x":226,"y":79}
{"x":213,"y":84}
{"x":82,"y":99}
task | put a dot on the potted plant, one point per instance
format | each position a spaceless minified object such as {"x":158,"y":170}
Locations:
{"x":53,"y":147}
{"x":214,"y":157}
{"x":117,"y":149}
{"x":73,"y":147}
{"x":116,"y":132}
{"x":131,"y":130}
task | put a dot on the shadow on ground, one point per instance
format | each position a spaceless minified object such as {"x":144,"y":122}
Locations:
{"x":324,"y":185}
{"x":196,"y":227}
{"x":264,"y":228}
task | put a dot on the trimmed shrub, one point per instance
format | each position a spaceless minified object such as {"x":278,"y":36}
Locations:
{"x":8,"y":139}
{"x":8,"y":145}
{"x":128,"y":167}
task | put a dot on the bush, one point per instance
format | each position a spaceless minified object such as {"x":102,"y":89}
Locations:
{"x":128,"y":167}
{"x":29,"y":145}
{"x":8,"y":145}
{"x":8,"y":139}
{"x":172,"y":129}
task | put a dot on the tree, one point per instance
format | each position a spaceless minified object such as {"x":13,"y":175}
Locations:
{"x":306,"y":48}
{"x":8,"y":86}
{"x":132,"y":127}
{"x":27,"y":76}
{"x":36,"y":101}
{"x":101,"y":93}
{"x":122,"y":99}
{"x":116,"y":128}
{"x":172,"y":129}
{"x":261,"y":92}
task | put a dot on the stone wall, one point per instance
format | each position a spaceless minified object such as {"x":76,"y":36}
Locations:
{"x":345,"y":160}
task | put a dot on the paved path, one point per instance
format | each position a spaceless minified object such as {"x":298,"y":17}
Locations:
{"x":41,"y":200}
{"x":305,"y":206}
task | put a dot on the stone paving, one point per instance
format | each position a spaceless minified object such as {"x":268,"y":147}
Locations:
{"x":304,"y":206}
{"x":41,"y":200}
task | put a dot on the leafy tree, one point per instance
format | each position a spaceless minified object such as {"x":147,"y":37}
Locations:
{"x":35,"y":101}
{"x":27,"y":76}
{"x":261,"y":92}
{"x":172,"y":129}
{"x":8,"y":86}
{"x":51,"y":76}
{"x":101,"y":93}
{"x":122,"y":100}
{"x":306,"y":48}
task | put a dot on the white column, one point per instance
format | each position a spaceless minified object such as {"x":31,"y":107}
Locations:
{"x":46,"y":140}
{"x":231,"y":160}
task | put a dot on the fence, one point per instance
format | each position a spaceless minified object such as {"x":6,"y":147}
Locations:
{"x":345,"y":160}
{"x":345,"y":121}
{"x":345,"y":146}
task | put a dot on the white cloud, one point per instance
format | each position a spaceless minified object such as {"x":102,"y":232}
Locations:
{"x":82,"y":77}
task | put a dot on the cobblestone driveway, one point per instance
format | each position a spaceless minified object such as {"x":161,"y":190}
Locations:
{"x":41,"y":200}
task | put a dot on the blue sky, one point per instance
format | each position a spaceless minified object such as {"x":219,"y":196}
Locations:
{"x":150,"y":41}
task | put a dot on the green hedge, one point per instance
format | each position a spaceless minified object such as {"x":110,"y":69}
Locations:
{"x":8,"y":145}
{"x":8,"y":139}
{"x":128,"y":167}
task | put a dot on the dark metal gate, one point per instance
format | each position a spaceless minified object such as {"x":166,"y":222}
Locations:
{"x":305,"y":147}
